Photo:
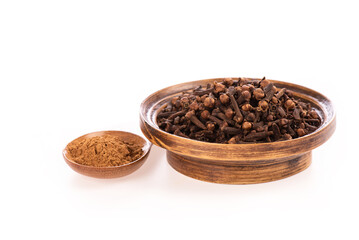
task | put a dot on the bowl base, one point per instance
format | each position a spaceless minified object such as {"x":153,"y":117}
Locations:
{"x":231,"y":173}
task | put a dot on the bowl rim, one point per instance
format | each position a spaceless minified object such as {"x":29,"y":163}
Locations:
{"x":146,"y":149}
{"x":249,"y":144}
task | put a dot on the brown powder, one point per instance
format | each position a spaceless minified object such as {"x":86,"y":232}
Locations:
{"x":103,"y":151}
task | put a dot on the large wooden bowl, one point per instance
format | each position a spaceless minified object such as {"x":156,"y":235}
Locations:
{"x":113,"y":171}
{"x":237,"y":163}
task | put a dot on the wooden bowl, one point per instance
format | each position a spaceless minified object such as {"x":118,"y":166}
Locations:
{"x":116,"y":171}
{"x":237,"y":163}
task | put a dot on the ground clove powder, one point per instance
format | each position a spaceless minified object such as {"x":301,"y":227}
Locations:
{"x":103,"y":151}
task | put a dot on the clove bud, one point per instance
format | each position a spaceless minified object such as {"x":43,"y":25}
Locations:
{"x":236,"y":111}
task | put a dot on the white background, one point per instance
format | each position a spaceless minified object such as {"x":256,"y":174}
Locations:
{"x":68,"y":68}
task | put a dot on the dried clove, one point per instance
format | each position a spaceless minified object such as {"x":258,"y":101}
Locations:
{"x":254,"y":136}
{"x":191,"y":116}
{"x":238,"y":111}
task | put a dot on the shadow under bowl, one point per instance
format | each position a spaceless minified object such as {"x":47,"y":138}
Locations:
{"x":237,"y":163}
{"x":113,"y":171}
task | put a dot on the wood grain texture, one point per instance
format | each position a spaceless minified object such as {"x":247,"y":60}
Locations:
{"x":259,"y":154}
{"x":239,"y":174}
{"x":115,"y":171}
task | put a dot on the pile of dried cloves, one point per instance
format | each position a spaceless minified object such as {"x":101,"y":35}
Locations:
{"x":238,"y":111}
